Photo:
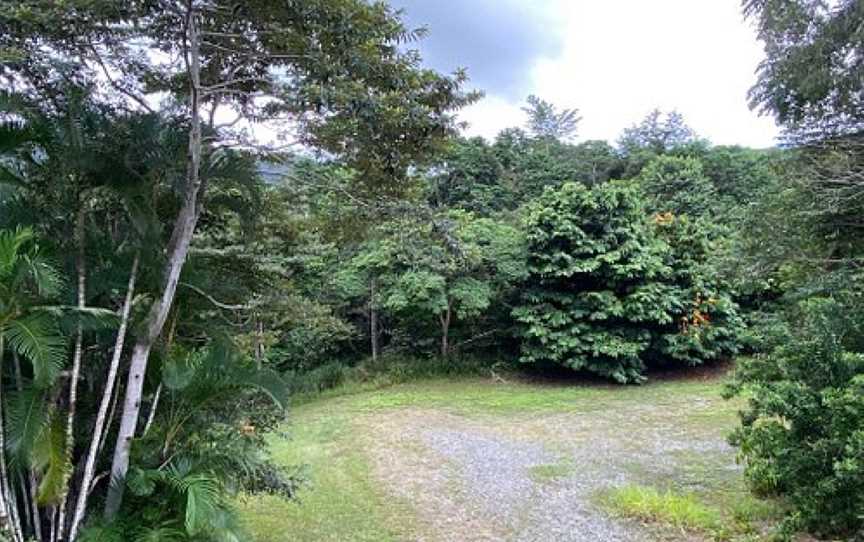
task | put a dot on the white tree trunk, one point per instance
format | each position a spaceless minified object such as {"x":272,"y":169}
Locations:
{"x":178,"y":248}
{"x":152,"y":415}
{"x":81,"y":264}
{"x":101,"y":416}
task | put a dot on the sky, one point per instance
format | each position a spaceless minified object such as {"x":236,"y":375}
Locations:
{"x":614,"y":60}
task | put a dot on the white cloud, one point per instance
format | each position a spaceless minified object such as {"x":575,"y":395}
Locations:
{"x":622,"y":58}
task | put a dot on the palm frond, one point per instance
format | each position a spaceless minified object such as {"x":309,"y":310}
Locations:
{"x":28,"y":418}
{"x":11,"y":242}
{"x":268,"y":381}
{"x":49,"y":457}
{"x":36,"y":338}
{"x":69,"y":317}
{"x":203,"y":494}
{"x":142,"y":482}
{"x":46,"y":279}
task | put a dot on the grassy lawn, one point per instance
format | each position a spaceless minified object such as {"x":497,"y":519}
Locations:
{"x":335,"y":438}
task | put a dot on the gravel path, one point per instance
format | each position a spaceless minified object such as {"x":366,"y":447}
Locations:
{"x":533,"y":479}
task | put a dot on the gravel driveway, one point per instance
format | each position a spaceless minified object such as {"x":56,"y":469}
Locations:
{"x":536,"y":477}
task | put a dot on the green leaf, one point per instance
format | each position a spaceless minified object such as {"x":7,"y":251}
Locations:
{"x":36,"y":338}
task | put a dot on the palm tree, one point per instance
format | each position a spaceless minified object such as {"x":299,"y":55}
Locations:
{"x":29,"y":330}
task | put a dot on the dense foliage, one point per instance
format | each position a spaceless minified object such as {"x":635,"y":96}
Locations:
{"x":801,"y":434}
{"x":611,"y":288}
{"x":167,"y":280}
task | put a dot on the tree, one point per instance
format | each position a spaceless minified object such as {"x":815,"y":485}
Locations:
{"x":657,"y":133}
{"x":594,"y":283}
{"x":706,"y":323}
{"x":469,"y":175}
{"x":448,"y":271}
{"x":611,"y":288}
{"x":800,"y":436}
{"x":260,"y":62}
{"x":678,"y":185}
{"x":811,"y":77}
{"x":30,"y":329}
{"x":545,"y":121}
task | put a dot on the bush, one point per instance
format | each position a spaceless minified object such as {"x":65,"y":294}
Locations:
{"x":611,"y":288}
{"x":802,"y":433}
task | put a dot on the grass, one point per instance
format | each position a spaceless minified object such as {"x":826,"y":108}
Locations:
{"x":477,"y":396}
{"x":330,"y":435}
{"x":340,"y":503}
{"x":719,"y":521}
{"x":651,"y":505}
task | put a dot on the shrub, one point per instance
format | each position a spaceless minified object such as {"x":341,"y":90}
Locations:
{"x":610,"y":287}
{"x":802,"y":433}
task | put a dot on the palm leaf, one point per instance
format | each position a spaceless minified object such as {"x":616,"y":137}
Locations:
{"x":203,"y":494}
{"x":89,"y":318}
{"x":49,"y":456}
{"x":10,"y":246}
{"x":28,"y":417}
{"x":45,"y":277}
{"x":141,"y":482}
{"x":36,"y":338}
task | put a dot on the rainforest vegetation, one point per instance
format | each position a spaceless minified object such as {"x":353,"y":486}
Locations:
{"x":211,"y":209}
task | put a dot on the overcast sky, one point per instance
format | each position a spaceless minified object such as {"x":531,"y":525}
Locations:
{"x":614,"y":60}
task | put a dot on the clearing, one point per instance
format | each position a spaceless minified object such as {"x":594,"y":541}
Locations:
{"x":473,"y":460}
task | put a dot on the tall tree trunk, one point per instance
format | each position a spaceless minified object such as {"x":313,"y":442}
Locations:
{"x":101,"y":415}
{"x":373,"y":319}
{"x":178,"y":248}
{"x":81,"y":265}
{"x":445,"y":318}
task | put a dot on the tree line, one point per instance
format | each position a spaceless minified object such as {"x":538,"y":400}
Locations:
{"x":168,"y":279}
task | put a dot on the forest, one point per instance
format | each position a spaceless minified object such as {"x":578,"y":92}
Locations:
{"x":214,"y":213}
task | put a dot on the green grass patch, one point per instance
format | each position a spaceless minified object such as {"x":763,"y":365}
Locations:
{"x":470,"y":395}
{"x":340,"y":501}
{"x":651,"y":505}
{"x":743,"y":518}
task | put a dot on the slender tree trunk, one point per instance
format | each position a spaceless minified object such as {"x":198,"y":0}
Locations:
{"x":445,"y":330}
{"x":373,"y":319}
{"x":81,"y":264}
{"x":110,"y":421}
{"x":100,"y":427}
{"x":34,"y":504}
{"x":259,"y":341}
{"x":178,"y":248}
{"x":152,"y":415}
